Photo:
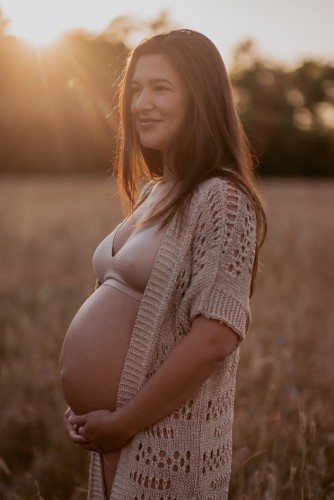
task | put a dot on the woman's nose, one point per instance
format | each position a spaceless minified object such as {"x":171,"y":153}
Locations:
{"x":144,"y":101}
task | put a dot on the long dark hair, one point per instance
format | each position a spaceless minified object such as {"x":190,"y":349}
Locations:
{"x":212,"y":142}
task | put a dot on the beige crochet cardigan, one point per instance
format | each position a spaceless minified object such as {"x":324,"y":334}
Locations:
{"x":205,"y":270}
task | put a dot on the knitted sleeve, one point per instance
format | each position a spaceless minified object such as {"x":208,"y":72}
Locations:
{"x":223,"y":257}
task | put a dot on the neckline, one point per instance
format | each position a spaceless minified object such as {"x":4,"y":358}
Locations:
{"x":115,"y":232}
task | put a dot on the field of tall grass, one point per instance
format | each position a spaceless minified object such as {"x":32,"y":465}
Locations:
{"x":284,"y":413}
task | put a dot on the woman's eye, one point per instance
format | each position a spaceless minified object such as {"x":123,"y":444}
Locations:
{"x":160,"y":88}
{"x":135,"y":90}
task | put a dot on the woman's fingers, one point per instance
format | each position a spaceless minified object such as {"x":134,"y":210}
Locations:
{"x":77,"y":438}
{"x":78,"y":420}
{"x":72,"y":429}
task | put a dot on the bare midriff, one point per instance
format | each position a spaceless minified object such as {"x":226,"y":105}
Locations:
{"x":94,"y":350}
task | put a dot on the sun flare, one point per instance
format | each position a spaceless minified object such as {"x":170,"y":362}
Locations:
{"x":38,"y":22}
{"x":39,"y":36}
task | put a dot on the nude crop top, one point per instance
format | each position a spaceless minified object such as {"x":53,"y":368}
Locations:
{"x":129,"y":268}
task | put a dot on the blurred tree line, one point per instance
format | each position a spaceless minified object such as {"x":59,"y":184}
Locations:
{"x":58,"y":106}
{"x":288,"y":115}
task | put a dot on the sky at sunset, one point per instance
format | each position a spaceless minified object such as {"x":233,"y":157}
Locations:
{"x":285,"y":30}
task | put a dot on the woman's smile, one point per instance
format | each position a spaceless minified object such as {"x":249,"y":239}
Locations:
{"x":147,"y":123}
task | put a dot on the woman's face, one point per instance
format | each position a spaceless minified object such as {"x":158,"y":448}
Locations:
{"x":159,"y":102}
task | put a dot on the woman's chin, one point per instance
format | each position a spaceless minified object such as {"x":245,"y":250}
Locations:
{"x":151,"y":145}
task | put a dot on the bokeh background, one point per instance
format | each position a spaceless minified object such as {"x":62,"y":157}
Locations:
{"x":60,"y":64}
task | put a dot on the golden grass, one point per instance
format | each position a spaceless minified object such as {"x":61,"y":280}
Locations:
{"x":284,"y":425}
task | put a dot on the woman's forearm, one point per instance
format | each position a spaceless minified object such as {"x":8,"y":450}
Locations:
{"x":182,"y":373}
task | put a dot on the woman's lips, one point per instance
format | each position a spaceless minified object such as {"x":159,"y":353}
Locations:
{"x":147,"y":122}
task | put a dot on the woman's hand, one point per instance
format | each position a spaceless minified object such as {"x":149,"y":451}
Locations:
{"x":72,"y":430}
{"x":99,"y":430}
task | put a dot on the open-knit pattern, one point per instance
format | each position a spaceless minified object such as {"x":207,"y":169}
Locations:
{"x":206,"y":270}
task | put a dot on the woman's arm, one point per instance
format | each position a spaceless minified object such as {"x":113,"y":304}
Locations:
{"x":194,"y":359}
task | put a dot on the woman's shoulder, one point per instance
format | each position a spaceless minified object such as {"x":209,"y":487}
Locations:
{"x":213,"y":182}
{"x":219,"y":186}
{"x":222,"y":194}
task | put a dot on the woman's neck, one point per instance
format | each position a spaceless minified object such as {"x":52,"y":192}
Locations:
{"x":168,"y":172}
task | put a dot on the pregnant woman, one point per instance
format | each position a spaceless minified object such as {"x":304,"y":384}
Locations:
{"x":149,"y":362}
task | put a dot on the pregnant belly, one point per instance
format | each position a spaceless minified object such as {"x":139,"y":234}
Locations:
{"x":95,"y":348}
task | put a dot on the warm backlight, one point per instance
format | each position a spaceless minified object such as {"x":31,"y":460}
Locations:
{"x":39,"y":22}
{"x":39,"y":35}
